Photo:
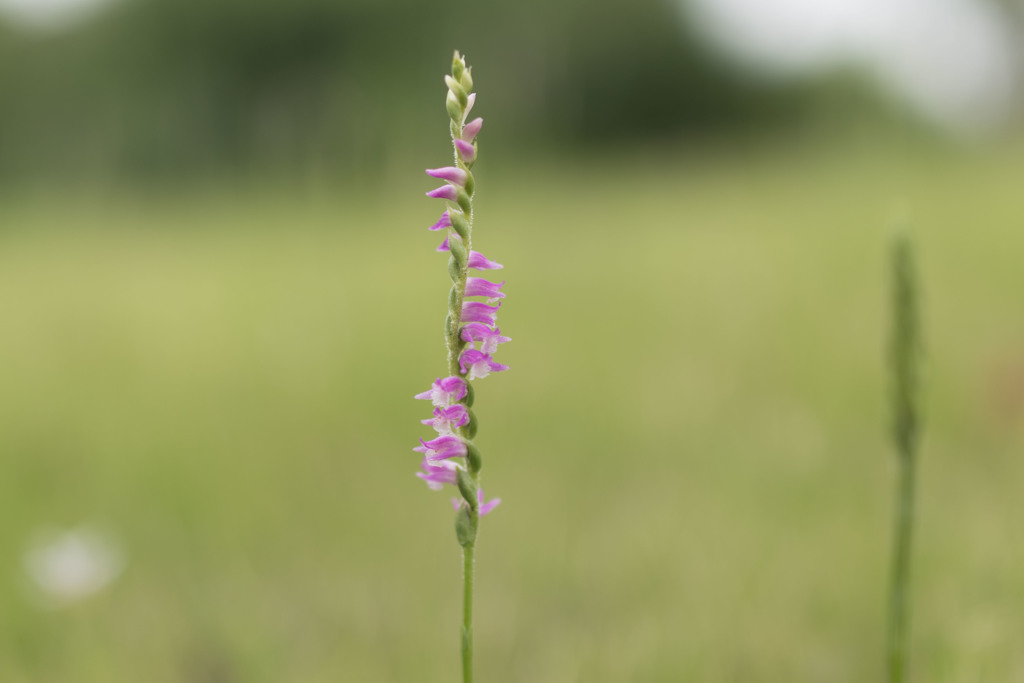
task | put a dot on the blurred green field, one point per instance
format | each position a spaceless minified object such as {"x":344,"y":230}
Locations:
{"x":690,"y":446}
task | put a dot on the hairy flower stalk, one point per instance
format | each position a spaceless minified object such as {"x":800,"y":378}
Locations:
{"x":905,"y":356}
{"x":471,"y":337}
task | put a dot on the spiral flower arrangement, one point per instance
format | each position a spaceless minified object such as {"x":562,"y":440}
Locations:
{"x":471,"y":337}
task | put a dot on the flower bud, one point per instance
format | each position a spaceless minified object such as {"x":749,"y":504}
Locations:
{"x":472,"y":129}
{"x":467,"y":487}
{"x":460,"y":93}
{"x":453,"y":269}
{"x":467,"y":151}
{"x":458,"y":65}
{"x":458,"y":250}
{"x":454,"y":110}
{"x":459,"y":223}
{"x":473,"y":458}
{"x":465,"y":526}
{"x":462,"y":198}
{"x":453,"y":300}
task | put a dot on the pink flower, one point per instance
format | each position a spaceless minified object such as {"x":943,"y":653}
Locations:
{"x":477,"y":312}
{"x":442,"y":448}
{"x":481,"y":262}
{"x":444,"y":192}
{"x":466,"y":150}
{"x":477,"y":364}
{"x":472,"y":129}
{"x":477,"y":286}
{"x":445,"y":391}
{"x":438,"y":472}
{"x":453,"y":174}
{"x":446,"y":419}
{"x":488,"y":338}
{"x":443,"y":222}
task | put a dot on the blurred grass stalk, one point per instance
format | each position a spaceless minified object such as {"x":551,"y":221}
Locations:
{"x":905,"y":358}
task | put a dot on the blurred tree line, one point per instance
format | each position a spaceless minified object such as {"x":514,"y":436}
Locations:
{"x":171,"y":88}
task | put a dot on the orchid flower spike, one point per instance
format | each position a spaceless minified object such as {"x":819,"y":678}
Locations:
{"x":471,"y":335}
{"x":471,"y":332}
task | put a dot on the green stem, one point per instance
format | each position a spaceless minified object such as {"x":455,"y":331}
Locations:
{"x":899,"y":597}
{"x":906,"y":347}
{"x":467,"y":612}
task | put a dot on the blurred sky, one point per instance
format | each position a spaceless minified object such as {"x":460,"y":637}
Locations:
{"x":49,"y":14}
{"x":955,"y":60}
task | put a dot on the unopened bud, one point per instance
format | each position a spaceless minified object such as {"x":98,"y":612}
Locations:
{"x":465,"y":526}
{"x":453,"y":300}
{"x":467,"y":487}
{"x":459,"y":92}
{"x":462,"y":199}
{"x":454,"y":110}
{"x":459,"y":223}
{"x":458,"y":65}
{"x":458,"y":250}
{"x":473,"y":458}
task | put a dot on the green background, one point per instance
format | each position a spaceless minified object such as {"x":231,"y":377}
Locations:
{"x":209,"y":346}
{"x":690,"y":444}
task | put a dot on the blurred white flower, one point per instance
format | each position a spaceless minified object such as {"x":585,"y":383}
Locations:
{"x":71,"y":565}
